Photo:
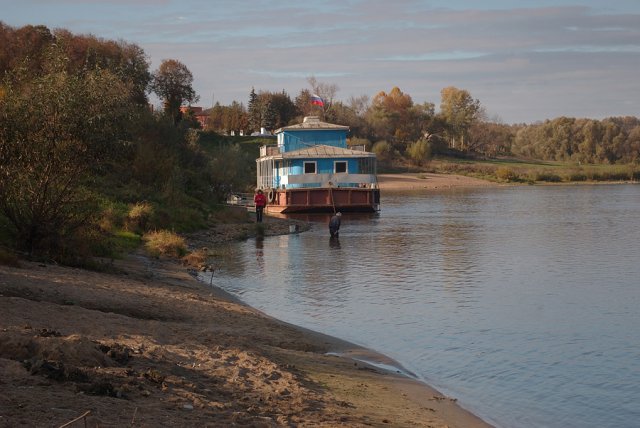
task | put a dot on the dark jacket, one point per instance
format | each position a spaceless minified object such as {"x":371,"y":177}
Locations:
{"x":334,"y":223}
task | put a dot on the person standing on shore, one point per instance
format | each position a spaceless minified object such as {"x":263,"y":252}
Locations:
{"x":260,"y":201}
{"x":334,"y":225}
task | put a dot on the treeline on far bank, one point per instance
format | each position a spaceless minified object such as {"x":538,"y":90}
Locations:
{"x":401,"y":131}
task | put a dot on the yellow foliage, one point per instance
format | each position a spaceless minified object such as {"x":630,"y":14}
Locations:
{"x":165,"y":243}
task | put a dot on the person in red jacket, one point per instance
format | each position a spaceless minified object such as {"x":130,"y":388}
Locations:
{"x":260,"y":200}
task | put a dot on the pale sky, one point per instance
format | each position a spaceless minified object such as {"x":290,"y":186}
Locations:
{"x":524,"y":60}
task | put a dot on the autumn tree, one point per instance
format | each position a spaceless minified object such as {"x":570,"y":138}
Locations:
{"x":126,"y":60}
{"x":27,"y":47}
{"x":459,"y":110}
{"x":611,"y":140}
{"x":58,"y":130}
{"x":490,"y":138}
{"x":24,"y":47}
{"x":172,"y":82}
{"x":394,"y":117}
{"x":389,"y":113}
{"x":344,"y":114}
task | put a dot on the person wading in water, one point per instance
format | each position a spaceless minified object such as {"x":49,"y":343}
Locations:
{"x":334,"y":225}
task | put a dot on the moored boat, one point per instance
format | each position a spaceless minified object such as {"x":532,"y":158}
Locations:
{"x":311,"y":169}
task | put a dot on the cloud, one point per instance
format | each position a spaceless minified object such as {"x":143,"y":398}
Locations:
{"x":524,"y":63}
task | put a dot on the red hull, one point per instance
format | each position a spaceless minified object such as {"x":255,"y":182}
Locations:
{"x":323,"y":199}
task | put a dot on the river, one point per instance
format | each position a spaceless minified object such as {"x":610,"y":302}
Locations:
{"x":521,"y":302}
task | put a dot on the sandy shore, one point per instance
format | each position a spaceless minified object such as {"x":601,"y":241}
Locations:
{"x":151,"y":346}
{"x":428,"y":181}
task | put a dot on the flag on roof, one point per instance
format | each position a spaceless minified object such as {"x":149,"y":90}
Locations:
{"x":316,"y":100}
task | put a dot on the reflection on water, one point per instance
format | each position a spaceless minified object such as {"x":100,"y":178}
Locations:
{"x":259,"y":240}
{"x":521,"y":302}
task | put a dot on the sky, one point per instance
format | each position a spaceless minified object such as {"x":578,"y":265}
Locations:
{"x":525,"y":61}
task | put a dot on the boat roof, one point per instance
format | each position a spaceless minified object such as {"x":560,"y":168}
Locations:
{"x":322,"y":151}
{"x":311,"y":122}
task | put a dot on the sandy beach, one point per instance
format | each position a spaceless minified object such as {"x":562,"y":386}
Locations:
{"x":149,"y":345}
{"x":428,"y":181}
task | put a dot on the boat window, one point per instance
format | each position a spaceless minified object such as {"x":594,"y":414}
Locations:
{"x":309,"y":167}
{"x":339,"y":166}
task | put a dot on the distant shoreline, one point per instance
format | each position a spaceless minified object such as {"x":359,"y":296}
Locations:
{"x":429,"y":181}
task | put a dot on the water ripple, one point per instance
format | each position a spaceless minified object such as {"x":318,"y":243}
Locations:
{"x":523,"y":303}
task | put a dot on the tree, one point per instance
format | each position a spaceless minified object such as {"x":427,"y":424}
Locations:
{"x":228,"y":170}
{"x":24,"y":47}
{"x":420,"y":151}
{"x":254,"y":111}
{"x":393,"y":117}
{"x":490,"y":138}
{"x":284,"y":109}
{"x":270,"y":110}
{"x":28,"y":47}
{"x":172,"y":82}
{"x":303,"y":103}
{"x":58,"y":129}
{"x":268,"y":113}
{"x":344,"y":115}
{"x":460,"y":111}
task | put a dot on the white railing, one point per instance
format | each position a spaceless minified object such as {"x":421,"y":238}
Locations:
{"x":334,"y":179}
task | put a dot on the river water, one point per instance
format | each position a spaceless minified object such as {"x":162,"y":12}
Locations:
{"x":522,"y":302}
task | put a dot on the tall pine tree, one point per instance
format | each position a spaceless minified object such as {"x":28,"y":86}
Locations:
{"x":255,"y":111}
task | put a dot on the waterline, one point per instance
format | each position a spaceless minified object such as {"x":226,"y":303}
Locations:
{"x":520,"y":302}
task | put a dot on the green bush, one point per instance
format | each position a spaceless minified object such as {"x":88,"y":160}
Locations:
{"x":420,"y":152}
{"x":383,"y":150}
{"x":113,"y":216}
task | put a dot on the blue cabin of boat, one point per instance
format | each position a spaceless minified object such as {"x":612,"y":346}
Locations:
{"x":314,"y":154}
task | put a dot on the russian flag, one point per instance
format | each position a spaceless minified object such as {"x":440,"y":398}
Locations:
{"x":316,"y":100}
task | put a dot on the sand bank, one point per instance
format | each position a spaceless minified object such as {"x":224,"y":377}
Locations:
{"x":428,"y":181}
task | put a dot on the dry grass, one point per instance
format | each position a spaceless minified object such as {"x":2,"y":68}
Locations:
{"x":139,"y":217}
{"x":165,"y":243}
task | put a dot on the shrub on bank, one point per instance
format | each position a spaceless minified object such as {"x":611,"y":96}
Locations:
{"x":139,"y":217}
{"x":577,"y":176}
{"x":548,"y":177}
{"x":506,"y":174}
{"x":165,"y":243}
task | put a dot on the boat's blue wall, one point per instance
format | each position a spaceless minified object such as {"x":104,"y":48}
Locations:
{"x":296,"y":140}
{"x":323,"y":166}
